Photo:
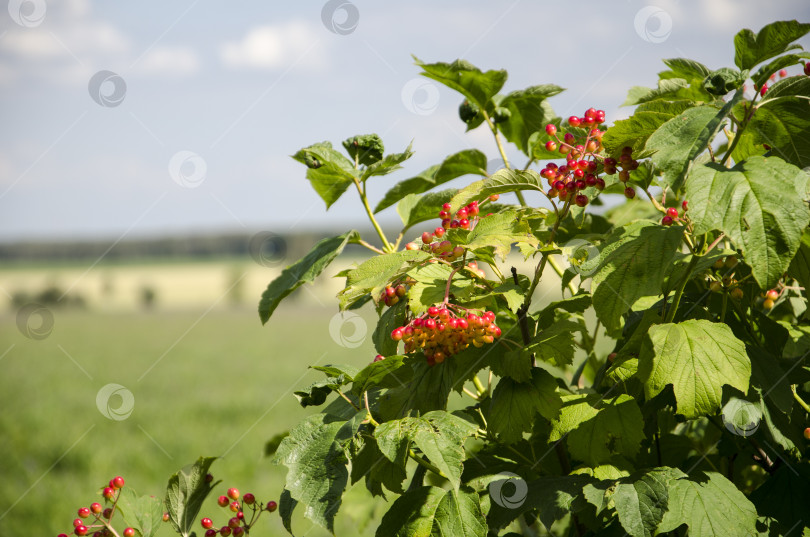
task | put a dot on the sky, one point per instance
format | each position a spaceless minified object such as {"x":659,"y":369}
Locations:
{"x":139,"y":119}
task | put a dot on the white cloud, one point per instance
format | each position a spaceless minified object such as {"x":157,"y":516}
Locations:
{"x":175,"y":61}
{"x":273,"y":47}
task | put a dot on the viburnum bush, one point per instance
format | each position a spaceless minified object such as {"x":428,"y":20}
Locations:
{"x":484,"y":413}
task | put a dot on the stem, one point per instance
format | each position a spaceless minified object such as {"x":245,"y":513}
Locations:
{"x":681,"y":286}
{"x":723,"y":308}
{"x":368,"y":410}
{"x":425,"y":464}
{"x":479,"y":386}
{"x":798,"y":399}
{"x":471,"y":394}
{"x":558,"y":269}
{"x":450,"y":281}
{"x":658,"y":447}
{"x":418,"y":478}
{"x":523,"y":322}
{"x":763,"y":459}
{"x":364,"y":199}
{"x":494,"y":130}
{"x":347,"y":399}
{"x":714,"y":243}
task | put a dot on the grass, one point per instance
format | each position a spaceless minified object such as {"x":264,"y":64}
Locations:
{"x":203,"y":384}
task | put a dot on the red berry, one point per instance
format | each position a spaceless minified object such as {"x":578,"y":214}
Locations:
{"x":377,"y":358}
{"x":807,"y":431}
{"x":390,"y":292}
{"x":612,"y":356}
{"x":684,"y":205}
{"x":78,"y":522}
{"x":433,"y":311}
{"x":447,"y":206}
{"x":773,"y":294}
{"x":464,"y":223}
{"x":234,"y":506}
{"x":551,"y":130}
{"x":427,"y":238}
{"x":118,"y":482}
{"x":238,"y":532}
{"x":600,"y":183}
{"x":629,"y":192}
{"x":667,"y":221}
{"x":574,"y":121}
{"x":129,"y":532}
{"x":590,"y":112}
{"x":411,"y":246}
{"x":96,"y":508}
{"x":233,"y":522}
{"x":429,"y":324}
{"x":207,"y":523}
{"x":551,"y":145}
{"x":581,"y":200}
{"x":209,"y":478}
{"x":439,"y":231}
{"x":107,"y":513}
{"x":807,"y":69}
{"x":240,"y":515}
{"x":108,"y":492}
{"x":224,"y":531}
{"x":80,"y":530}
{"x":62,"y":535}
{"x":764,"y":90}
{"x":223,"y":501}
{"x":210,"y":533}
{"x":672,"y":212}
{"x":401,"y":291}
{"x":494,"y":197}
{"x":783,"y":73}
{"x":569,"y":138}
{"x":250,"y":498}
{"x":165,"y":517}
{"x":272,"y":506}
{"x":84,"y":512}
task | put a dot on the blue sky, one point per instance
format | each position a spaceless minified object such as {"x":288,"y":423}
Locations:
{"x":226,"y":91}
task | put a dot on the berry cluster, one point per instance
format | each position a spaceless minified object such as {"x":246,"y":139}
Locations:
{"x":391,"y":295}
{"x":627,"y":164}
{"x":580,"y":170}
{"x":724,"y":279}
{"x":447,"y":330}
{"x":465,"y":218}
{"x":238,"y":524}
{"x":98,"y":518}
{"x":673,"y":216}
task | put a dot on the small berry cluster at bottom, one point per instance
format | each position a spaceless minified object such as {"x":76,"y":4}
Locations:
{"x":97,"y":518}
{"x":239,"y":524}
{"x":447,"y":330}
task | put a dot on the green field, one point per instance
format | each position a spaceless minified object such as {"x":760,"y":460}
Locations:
{"x":215,"y":383}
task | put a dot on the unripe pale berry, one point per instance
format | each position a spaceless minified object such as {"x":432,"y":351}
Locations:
{"x":807,"y":431}
{"x":767,"y":304}
{"x":234,"y":506}
{"x":411,"y":246}
{"x":737,"y":293}
{"x":773,"y":294}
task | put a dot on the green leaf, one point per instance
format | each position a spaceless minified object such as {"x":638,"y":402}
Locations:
{"x":553,"y":497}
{"x":144,"y":513}
{"x":698,"y":358}
{"x":683,"y":138}
{"x":388,"y":164}
{"x":666,"y":88}
{"x":710,"y":505}
{"x":392,"y":318}
{"x":318,"y":391}
{"x":329,"y":181}
{"x":529,"y":113}
{"x":597,"y":428}
{"x":414,"y":209}
{"x":555,"y":344}
{"x":439,"y":435}
{"x":431,"y":284}
{"x":498,"y":231}
{"x":781,"y":125}
{"x":632,"y":263}
{"x":723,"y":81}
{"x":764,"y":73}
{"x":411,"y":515}
{"x":477,"y":86}
{"x":302,"y":271}
{"x":317,"y":155}
{"x":386,"y":373}
{"x":316,"y":464}
{"x":373,"y":274}
{"x":793,"y":86}
{"x":785,"y":496}
{"x":469,"y":161}
{"x":459,"y":513}
{"x":641,"y":500}
{"x":633,"y":131}
{"x":185,"y":493}
{"x":759,"y":204}
{"x":772,"y":40}
{"x":800,"y":264}
{"x":515,"y":405}
{"x":500,"y":182}
{"x":427,"y":390}
{"x":286,"y":506}
{"x":366,"y":149}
